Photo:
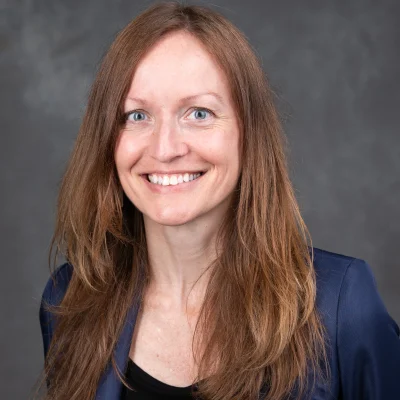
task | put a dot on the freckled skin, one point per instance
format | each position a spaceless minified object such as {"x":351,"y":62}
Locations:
{"x":166,"y":134}
{"x":169,"y":135}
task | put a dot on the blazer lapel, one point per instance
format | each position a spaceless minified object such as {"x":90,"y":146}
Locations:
{"x":110,"y":386}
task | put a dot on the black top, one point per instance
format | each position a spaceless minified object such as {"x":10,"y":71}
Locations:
{"x":149,"y":388}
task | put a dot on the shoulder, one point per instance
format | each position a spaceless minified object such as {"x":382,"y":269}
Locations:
{"x":53,"y":294}
{"x":363,"y":338}
{"x":331,"y":271}
{"x":346,"y":289}
{"x":335,"y":272}
{"x":57,"y":284}
{"x":345,"y":285}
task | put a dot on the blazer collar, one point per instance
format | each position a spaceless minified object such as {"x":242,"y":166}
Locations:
{"x":110,"y":386}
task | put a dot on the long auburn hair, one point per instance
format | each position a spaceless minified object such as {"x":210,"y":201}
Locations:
{"x":259,"y":316}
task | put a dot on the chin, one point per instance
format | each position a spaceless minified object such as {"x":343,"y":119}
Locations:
{"x":170,"y":217}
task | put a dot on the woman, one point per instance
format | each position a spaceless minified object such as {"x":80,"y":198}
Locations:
{"x":189,"y":271}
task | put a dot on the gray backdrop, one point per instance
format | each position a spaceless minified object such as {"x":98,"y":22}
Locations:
{"x":335,"y":66}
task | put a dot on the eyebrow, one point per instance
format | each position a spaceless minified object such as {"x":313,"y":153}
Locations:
{"x":183,"y":99}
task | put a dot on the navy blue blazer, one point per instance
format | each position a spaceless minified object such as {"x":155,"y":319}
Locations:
{"x":364,"y":340}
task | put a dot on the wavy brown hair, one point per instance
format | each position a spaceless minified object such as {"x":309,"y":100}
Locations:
{"x":259,"y":324}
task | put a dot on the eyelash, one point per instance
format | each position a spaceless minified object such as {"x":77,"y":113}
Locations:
{"x":126,"y":115}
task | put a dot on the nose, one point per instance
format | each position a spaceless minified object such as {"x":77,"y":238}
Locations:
{"x":167,"y":141}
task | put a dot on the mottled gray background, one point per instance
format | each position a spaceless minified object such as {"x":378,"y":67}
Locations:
{"x":335,"y":66}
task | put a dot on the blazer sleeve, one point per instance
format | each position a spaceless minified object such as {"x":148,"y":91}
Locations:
{"x":52,"y":295}
{"x":368,"y":339}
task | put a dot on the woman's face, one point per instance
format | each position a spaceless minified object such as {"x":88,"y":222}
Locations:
{"x":177,"y":156}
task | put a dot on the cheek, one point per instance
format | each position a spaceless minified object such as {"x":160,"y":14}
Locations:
{"x":222,"y":149}
{"x":127,"y":151}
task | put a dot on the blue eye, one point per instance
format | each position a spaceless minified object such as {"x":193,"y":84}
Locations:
{"x":201,"y":113}
{"x":135,"y":116}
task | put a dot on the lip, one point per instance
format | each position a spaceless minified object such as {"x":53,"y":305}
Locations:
{"x":182,"y":172}
{"x":182,"y":187}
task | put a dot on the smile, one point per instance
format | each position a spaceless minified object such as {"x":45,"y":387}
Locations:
{"x":175,"y":179}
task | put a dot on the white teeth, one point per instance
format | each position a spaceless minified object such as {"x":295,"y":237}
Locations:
{"x":166,"y":180}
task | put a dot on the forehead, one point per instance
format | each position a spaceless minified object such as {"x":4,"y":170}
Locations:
{"x":178,"y":65}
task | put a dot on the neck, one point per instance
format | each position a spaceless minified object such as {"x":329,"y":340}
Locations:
{"x":178,"y":256}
